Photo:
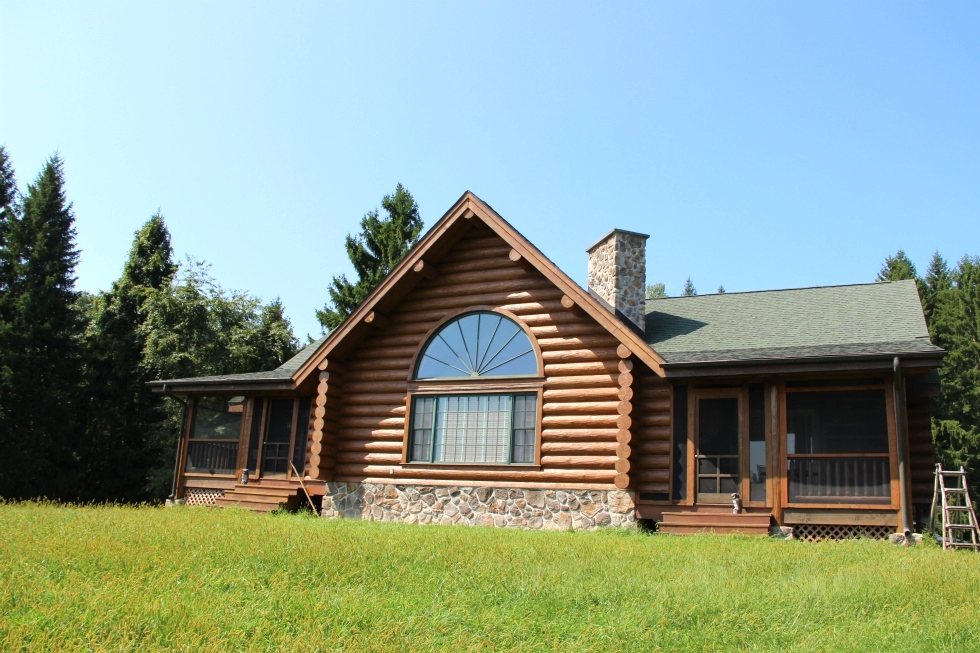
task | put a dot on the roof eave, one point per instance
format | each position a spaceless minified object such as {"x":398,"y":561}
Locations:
{"x":220,"y":386}
{"x":747,"y":366}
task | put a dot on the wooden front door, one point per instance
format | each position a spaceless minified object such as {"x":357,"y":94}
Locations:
{"x":717,"y":448}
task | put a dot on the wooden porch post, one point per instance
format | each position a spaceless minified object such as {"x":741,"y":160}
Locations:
{"x":902,"y":435}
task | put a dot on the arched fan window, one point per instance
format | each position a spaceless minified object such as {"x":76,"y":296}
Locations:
{"x":477,"y":345}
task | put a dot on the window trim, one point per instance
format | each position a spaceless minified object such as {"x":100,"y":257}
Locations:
{"x":537,"y":390}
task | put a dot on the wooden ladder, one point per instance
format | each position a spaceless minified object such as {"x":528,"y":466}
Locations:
{"x":959,"y":522}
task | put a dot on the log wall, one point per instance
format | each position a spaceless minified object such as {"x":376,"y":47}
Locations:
{"x":921,"y":458}
{"x":652,"y":435}
{"x":587,"y":408}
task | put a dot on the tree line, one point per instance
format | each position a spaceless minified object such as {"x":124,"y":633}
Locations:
{"x":77,"y":421}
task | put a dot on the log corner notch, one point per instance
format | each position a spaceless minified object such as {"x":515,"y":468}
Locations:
{"x":426,"y":270}
{"x":624,"y":422}
{"x":376,"y":320}
{"x":323,"y":443}
{"x":569,"y":305}
{"x":519,"y":259}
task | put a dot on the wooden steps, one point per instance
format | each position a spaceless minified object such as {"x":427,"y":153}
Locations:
{"x":262,"y":496}
{"x":709,"y":521}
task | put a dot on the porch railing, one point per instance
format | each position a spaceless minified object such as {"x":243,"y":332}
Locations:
{"x":212,"y":456}
{"x":833,"y":478}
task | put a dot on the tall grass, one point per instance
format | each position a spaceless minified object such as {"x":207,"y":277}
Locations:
{"x":119,"y":579}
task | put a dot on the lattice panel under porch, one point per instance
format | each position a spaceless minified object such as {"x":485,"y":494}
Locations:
{"x":814,"y":532}
{"x":198,"y":496}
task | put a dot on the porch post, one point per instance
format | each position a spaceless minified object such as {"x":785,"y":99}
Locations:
{"x":901,"y":432}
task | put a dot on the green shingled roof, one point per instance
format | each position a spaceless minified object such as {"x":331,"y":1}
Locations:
{"x":875,"y":319}
{"x":281,"y":373}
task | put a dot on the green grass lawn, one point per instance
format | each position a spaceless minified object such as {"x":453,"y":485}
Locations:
{"x":119,"y":579}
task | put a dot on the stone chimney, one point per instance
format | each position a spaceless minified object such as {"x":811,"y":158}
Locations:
{"x":618,"y":273}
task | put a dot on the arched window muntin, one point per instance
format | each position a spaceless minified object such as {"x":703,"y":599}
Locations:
{"x":477,"y":344}
{"x":483,"y":410}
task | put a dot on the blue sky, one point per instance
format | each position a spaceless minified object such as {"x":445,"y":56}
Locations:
{"x":761,"y":145}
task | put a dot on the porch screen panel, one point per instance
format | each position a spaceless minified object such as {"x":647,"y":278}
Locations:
{"x":757,"y":443}
{"x":275,"y":457}
{"x":837,"y":447}
{"x":254,"y":433}
{"x":302,"y":433}
{"x":212,"y":446}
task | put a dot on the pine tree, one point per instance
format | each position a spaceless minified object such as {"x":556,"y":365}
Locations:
{"x":721,"y":290}
{"x":656,"y":291}
{"x":8,"y":214}
{"x":689,"y":289}
{"x":120,"y":410}
{"x":897,"y":268}
{"x":40,"y":344}
{"x":955,"y":326}
{"x":938,"y":279}
{"x":382,"y":243}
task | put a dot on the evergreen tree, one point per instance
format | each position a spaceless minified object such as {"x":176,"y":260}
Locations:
{"x":721,"y":290}
{"x":955,"y":326}
{"x":656,"y":291}
{"x":120,"y":408}
{"x":382,"y":243}
{"x":897,"y":268}
{"x":938,"y":279}
{"x":8,"y":213}
{"x":40,"y":343}
{"x":689,"y":289}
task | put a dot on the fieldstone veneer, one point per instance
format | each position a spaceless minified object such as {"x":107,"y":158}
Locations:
{"x":618,"y":272}
{"x":552,"y":510}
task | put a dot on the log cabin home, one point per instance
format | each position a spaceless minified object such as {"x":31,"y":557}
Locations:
{"x":479,"y":384}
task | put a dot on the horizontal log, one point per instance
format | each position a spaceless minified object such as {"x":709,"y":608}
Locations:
{"x":560,"y":434}
{"x":371,"y":422}
{"x":326,"y":413}
{"x":625,"y":393}
{"x":580,"y":421}
{"x":653,"y":488}
{"x":367,"y":399}
{"x":470,"y":264}
{"x":624,"y":436}
{"x":376,"y":319}
{"x":550,"y":318}
{"x":624,"y":421}
{"x":325,"y":424}
{"x":577,"y":329}
{"x":653,"y":462}
{"x":609,"y":393}
{"x":622,"y":466}
{"x":390,"y":387}
{"x":579,"y":342}
{"x":377,"y":374}
{"x":382,"y":351}
{"x":486,"y":243}
{"x":625,"y":379}
{"x":570,"y":476}
{"x":373,"y":446}
{"x":533,"y":307}
{"x":653,"y":419}
{"x":596,"y":462}
{"x":625,"y":365}
{"x":650,"y":389}
{"x":365,"y":458}
{"x":593,"y":448}
{"x":326,"y":437}
{"x":580,"y":381}
{"x":371,"y":434}
{"x":578,"y":355}
{"x":331,"y":366}
{"x":653,"y":432}
{"x":622,"y":481}
{"x":623,"y":351}
{"x":580,"y":369}
{"x":624,"y":408}
{"x":481,"y":286}
{"x":373,"y":410}
{"x":425,"y":270}
{"x":362,"y":368}
{"x":492,"y":272}
{"x":646,"y":475}
{"x":654,"y":405}
{"x":586,"y":407}
{"x":659,"y":447}
{"x":515,"y":301}
{"x":623,"y":451}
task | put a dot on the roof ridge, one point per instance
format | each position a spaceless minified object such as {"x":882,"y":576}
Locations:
{"x":775,"y":290}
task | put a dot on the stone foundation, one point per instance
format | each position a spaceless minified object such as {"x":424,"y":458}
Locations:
{"x":553,"y":510}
